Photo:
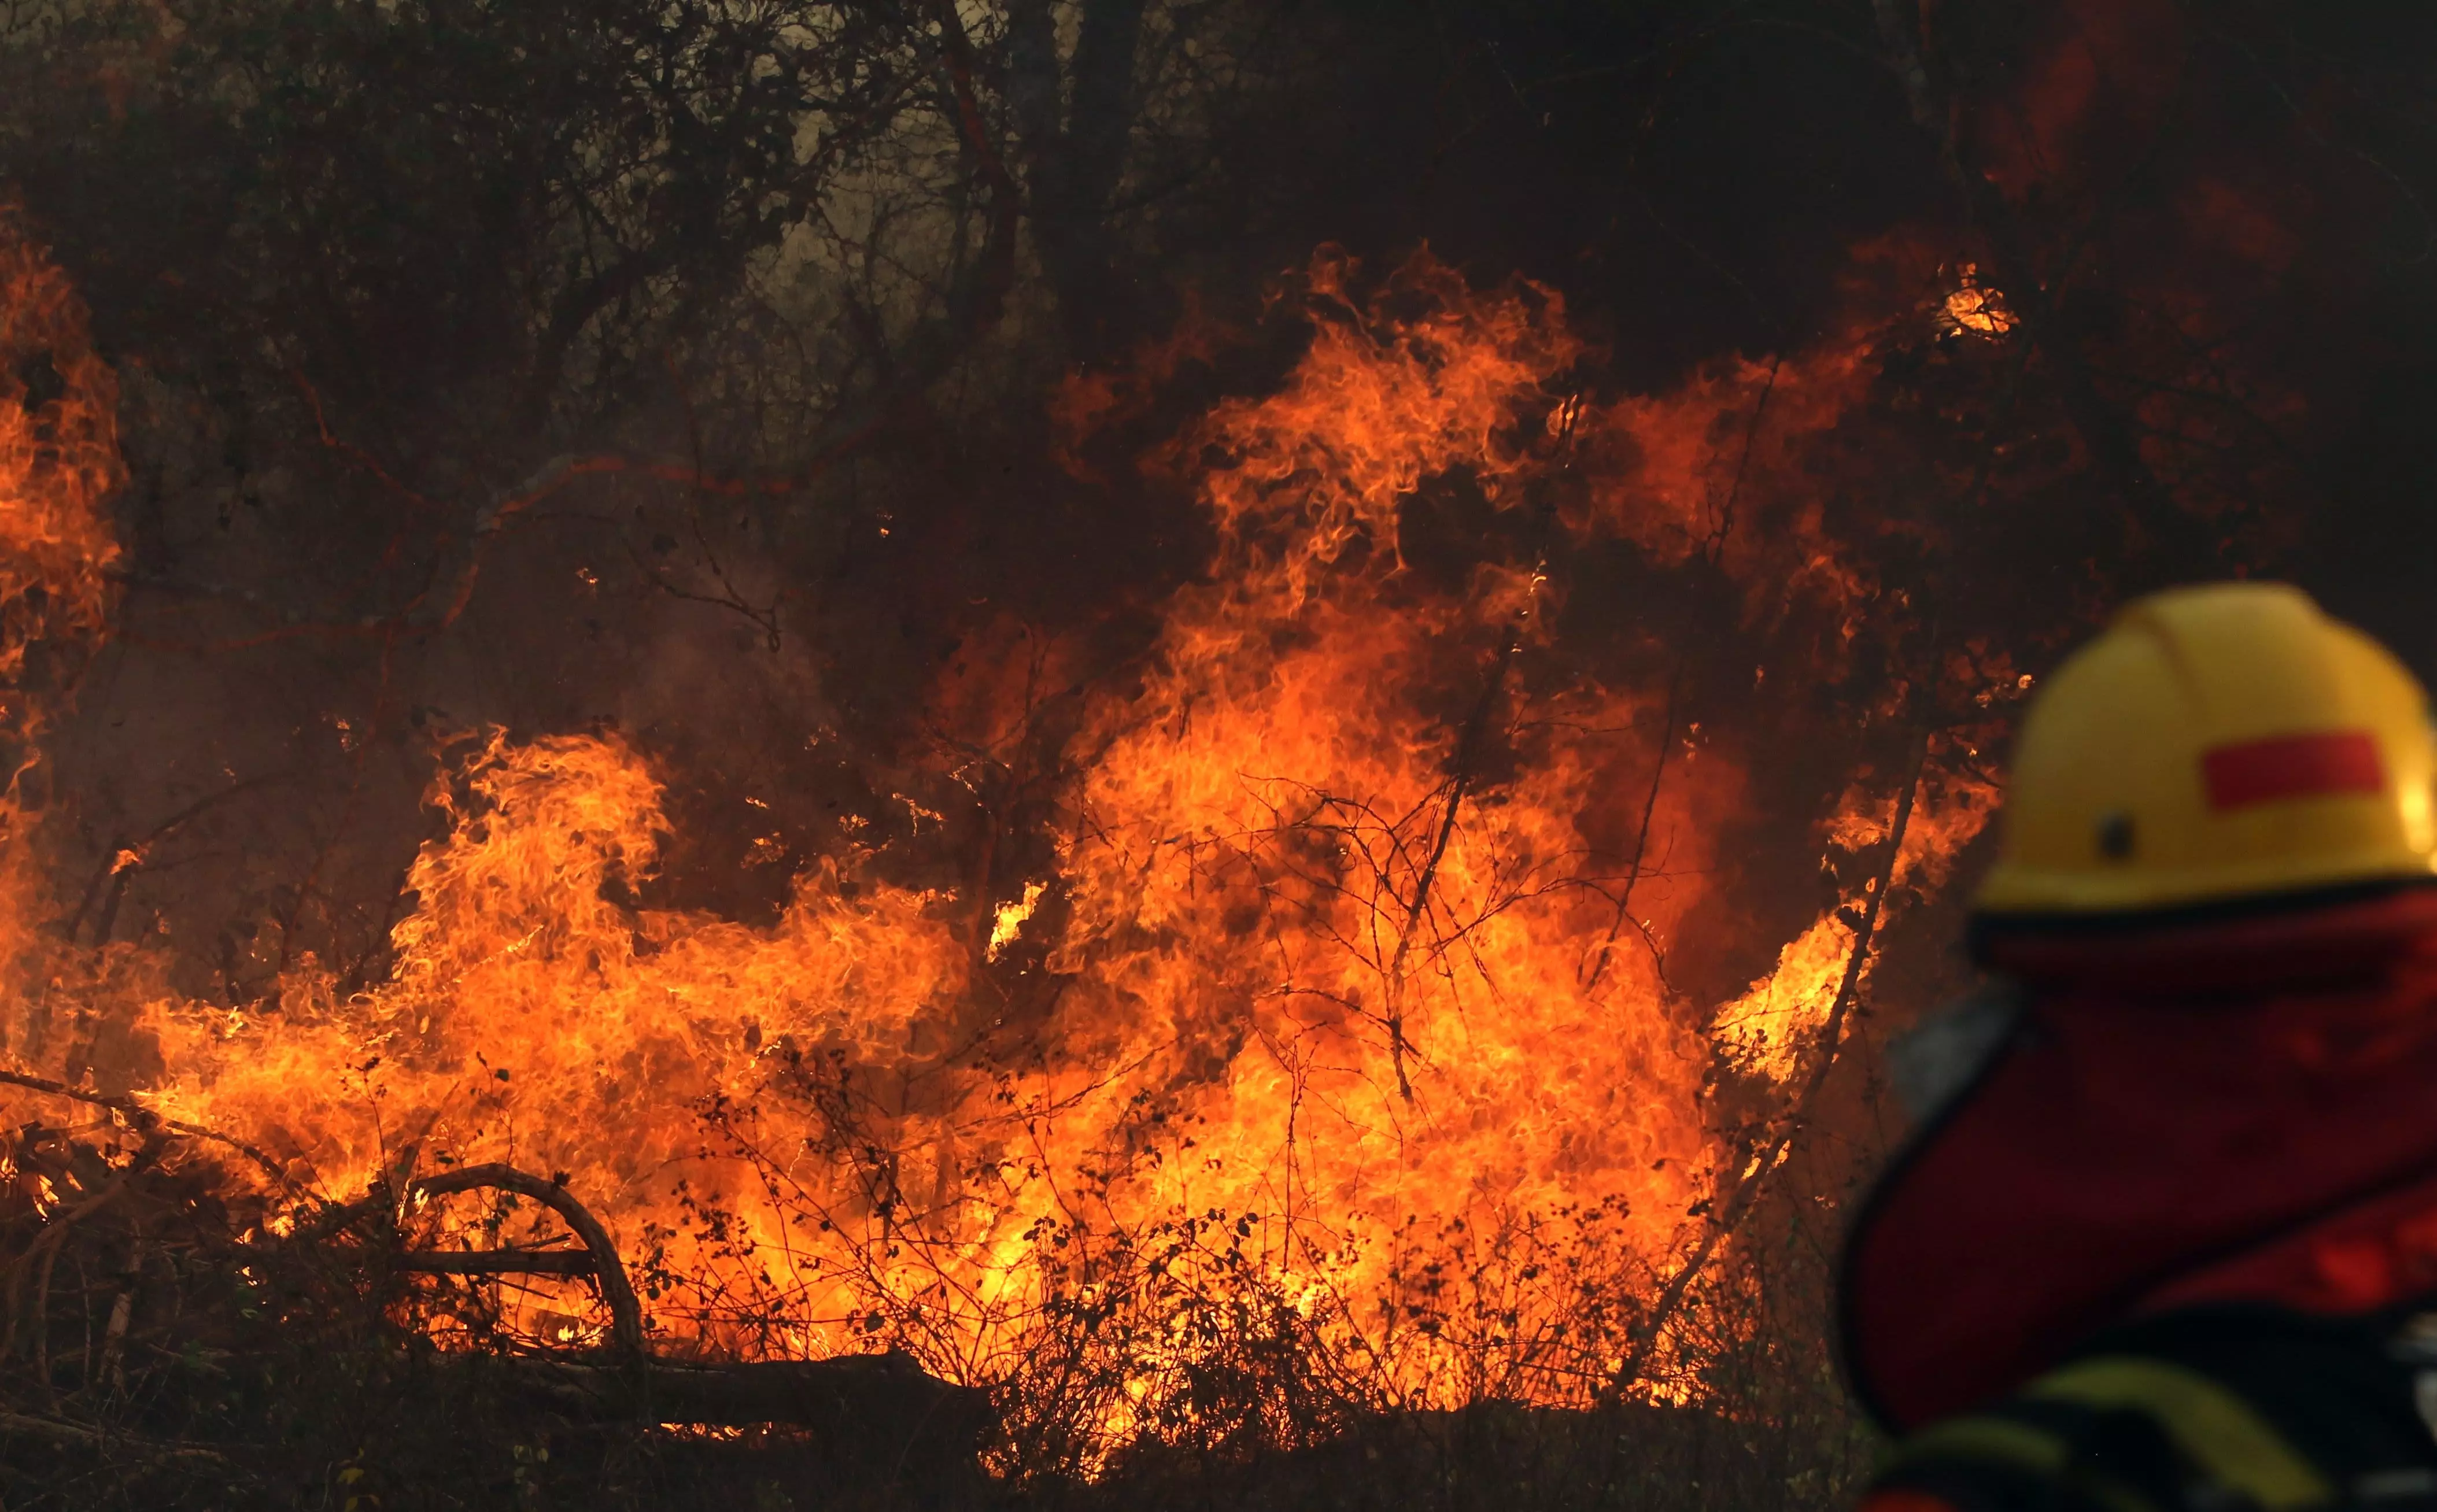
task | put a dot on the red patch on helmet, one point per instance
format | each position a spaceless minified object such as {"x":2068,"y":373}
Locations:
{"x":2293,"y":766}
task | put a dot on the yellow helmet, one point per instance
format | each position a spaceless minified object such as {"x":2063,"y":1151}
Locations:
{"x":2216,"y":743}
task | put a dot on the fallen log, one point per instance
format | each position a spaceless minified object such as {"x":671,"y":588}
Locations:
{"x":869,"y":1397}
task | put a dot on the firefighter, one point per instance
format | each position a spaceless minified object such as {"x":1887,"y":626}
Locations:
{"x":2166,"y":1238}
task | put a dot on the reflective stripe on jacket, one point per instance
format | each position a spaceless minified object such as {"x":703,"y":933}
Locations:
{"x":2215,"y":1410}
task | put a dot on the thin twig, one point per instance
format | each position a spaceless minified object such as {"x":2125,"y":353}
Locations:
{"x":1466,"y":755}
{"x":1713,"y":552}
{"x":1727,"y":1216}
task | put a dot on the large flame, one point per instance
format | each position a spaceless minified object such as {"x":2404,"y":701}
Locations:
{"x":1346,"y":1005}
{"x":58,"y":464}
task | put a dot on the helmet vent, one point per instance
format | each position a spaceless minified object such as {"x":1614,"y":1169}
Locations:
{"x":2115,"y":836}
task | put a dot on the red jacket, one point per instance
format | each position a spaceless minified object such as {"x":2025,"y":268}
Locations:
{"x":2240,"y":1110}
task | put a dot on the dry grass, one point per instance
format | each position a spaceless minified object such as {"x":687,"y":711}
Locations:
{"x":160,"y":1351}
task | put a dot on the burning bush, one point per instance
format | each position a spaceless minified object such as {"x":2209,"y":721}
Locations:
{"x":1308,"y":1078}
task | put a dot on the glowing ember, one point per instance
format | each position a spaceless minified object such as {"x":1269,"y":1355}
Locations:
{"x":1976,"y":308}
{"x":1013,"y":918}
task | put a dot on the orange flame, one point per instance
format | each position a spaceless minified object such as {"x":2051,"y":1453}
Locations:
{"x":1334,"y":1015}
{"x":59,"y":465}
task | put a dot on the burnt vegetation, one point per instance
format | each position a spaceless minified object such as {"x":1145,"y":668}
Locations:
{"x":819,"y":405}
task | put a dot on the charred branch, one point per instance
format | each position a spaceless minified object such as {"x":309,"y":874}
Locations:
{"x":144,"y":1119}
{"x":499,"y":1262}
{"x":601,"y":1262}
